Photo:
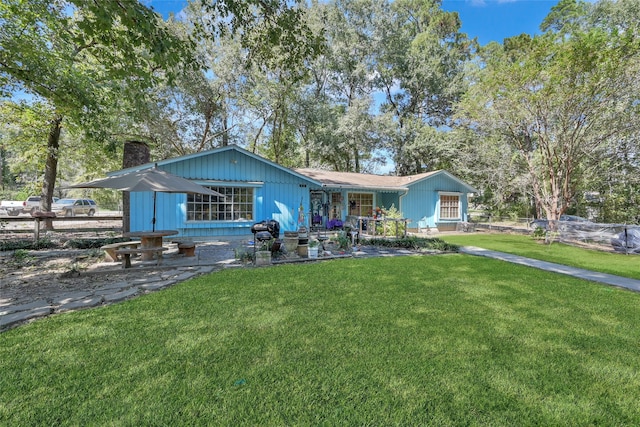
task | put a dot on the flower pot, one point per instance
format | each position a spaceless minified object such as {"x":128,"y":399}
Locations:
{"x":303,"y":233}
{"x":303,"y":251}
{"x":263,"y":258}
{"x":290,"y":244}
{"x":313,"y":252}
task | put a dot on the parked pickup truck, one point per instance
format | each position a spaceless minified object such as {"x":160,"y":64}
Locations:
{"x":15,"y":208}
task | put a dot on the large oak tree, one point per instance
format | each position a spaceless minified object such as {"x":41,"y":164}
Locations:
{"x":80,"y":57}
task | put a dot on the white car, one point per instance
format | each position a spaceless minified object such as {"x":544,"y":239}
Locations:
{"x":73,"y":207}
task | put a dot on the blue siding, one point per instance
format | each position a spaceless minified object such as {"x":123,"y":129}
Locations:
{"x":386,"y":200}
{"x":423,"y":199}
{"x":278,"y":198}
{"x":278,"y":195}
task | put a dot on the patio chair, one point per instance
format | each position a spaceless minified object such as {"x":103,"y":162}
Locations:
{"x":423,"y":224}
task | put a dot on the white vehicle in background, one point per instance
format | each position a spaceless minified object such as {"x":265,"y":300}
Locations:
{"x":11,"y":207}
{"x":73,"y":207}
{"x":15,"y":208}
{"x":32,"y":204}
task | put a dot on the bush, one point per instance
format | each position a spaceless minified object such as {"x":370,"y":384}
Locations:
{"x":539,"y":233}
{"x":413,"y":242}
{"x":13,"y":245}
{"x":390,"y":228}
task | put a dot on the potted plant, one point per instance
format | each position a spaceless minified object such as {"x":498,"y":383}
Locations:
{"x":263,"y":255}
{"x":313,"y":248}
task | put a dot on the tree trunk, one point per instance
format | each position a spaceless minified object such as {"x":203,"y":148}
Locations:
{"x":225,"y":129}
{"x":50,"y":169}
{"x":356,"y":160}
{"x":135,"y":153}
{"x":4,"y":168}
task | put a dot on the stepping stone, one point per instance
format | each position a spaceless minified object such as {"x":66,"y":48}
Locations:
{"x":82,"y":303}
{"x":157,"y":285}
{"x":72,"y":296}
{"x":23,"y":316}
{"x":119,"y":296}
{"x":25,"y":307}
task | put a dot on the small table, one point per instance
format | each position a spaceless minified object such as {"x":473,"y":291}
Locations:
{"x":39,"y":216}
{"x":150,"y":239}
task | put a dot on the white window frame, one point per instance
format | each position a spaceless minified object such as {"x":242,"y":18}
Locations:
{"x":214,"y":205}
{"x":359,"y":195}
{"x":450,"y":193}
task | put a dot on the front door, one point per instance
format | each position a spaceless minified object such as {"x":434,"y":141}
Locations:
{"x":318,"y":214}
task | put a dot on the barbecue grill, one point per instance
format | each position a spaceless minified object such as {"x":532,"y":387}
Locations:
{"x":264,"y":231}
{"x":271,"y":226}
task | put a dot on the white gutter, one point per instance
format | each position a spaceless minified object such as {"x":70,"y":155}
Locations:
{"x":400,"y":199}
{"x":361,"y":188}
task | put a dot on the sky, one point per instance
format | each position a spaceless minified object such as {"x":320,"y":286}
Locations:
{"x":488,"y":20}
{"x":495,"y":20}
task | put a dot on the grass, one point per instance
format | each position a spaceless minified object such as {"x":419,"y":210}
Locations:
{"x":422,"y":340}
{"x":604,"y":262}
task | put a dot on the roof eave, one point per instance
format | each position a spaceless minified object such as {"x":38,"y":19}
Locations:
{"x":360,"y":187}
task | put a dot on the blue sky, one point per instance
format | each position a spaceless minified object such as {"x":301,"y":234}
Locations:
{"x":495,"y":20}
{"x":488,"y":20}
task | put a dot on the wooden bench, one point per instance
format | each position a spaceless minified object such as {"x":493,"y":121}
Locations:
{"x":186,"y":248}
{"x":126,"y":254}
{"x":110,"y":249}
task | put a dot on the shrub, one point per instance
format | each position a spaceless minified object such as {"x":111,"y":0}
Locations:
{"x":413,"y":242}
{"x":539,"y":233}
{"x":13,"y":245}
{"x":391,"y":228}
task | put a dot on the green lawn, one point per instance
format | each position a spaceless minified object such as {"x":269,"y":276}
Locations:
{"x":604,"y":262}
{"x":422,"y":340}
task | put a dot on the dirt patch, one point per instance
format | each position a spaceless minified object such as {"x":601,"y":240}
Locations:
{"x":27,"y":276}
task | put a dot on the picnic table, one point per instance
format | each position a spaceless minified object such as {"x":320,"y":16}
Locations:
{"x":150,"y":239}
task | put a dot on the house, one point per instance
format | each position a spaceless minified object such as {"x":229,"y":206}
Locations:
{"x":258,"y":189}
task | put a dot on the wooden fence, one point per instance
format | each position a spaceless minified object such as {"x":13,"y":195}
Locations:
{"x":15,"y":227}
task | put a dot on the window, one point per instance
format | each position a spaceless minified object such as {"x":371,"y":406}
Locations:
{"x":236,"y":205}
{"x":449,"y":206}
{"x":360,"y":204}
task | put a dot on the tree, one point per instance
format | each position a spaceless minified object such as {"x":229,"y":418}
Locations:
{"x":247,"y":77}
{"x":94,"y":63}
{"x":557,"y":102}
{"x":78,"y":57}
{"x":337,"y":106}
{"x":419,"y":66}
{"x":274,"y":32}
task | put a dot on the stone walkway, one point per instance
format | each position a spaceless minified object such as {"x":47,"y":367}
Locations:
{"x":12,"y":315}
{"x":580,"y":273}
{"x":111,"y":283}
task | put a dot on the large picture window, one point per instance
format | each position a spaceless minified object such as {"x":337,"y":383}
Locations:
{"x":236,"y":205}
{"x":449,"y":206}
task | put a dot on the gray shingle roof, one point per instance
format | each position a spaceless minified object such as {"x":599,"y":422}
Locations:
{"x":362,"y":180}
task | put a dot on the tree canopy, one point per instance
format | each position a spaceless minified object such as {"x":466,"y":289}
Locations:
{"x":560,"y":102}
{"x":351,"y":85}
